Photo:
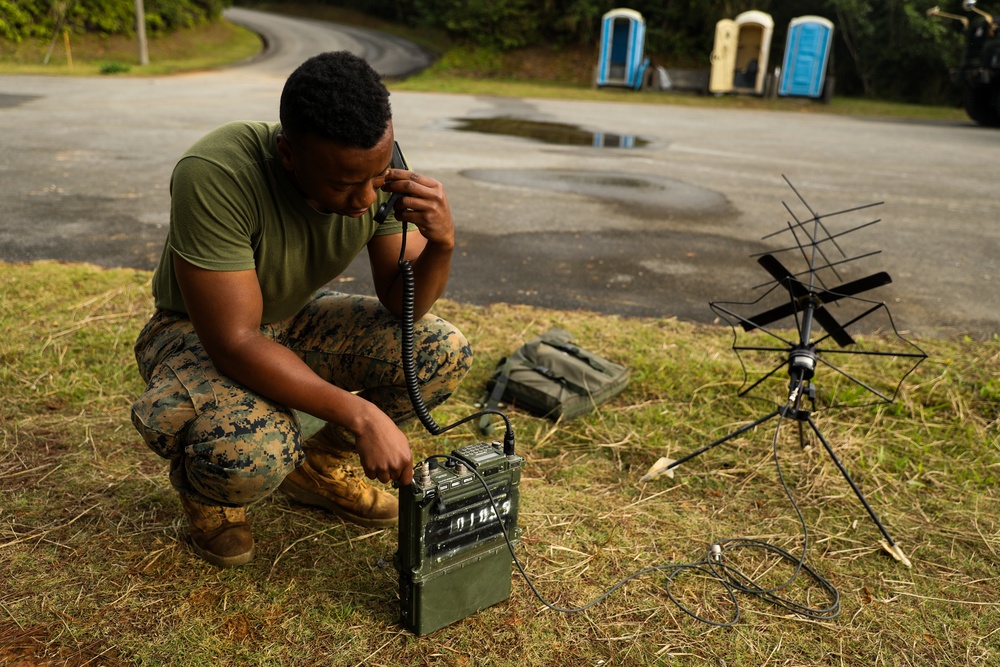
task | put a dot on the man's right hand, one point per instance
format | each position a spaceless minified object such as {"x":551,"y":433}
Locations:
{"x":383,"y":449}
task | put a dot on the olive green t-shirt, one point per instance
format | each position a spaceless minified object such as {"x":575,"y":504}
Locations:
{"x":233,"y":208}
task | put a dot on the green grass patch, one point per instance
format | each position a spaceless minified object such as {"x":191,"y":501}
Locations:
{"x":441,"y":81}
{"x":97,"y":569}
{"x":216,"y":44}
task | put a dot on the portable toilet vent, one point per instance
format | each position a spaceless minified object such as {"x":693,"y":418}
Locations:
{"x":621,"y":63}
{"x":740,"y":53}
{"x":807,"y":52}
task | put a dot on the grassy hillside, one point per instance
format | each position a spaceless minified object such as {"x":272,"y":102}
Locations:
{"x":217,"y":44}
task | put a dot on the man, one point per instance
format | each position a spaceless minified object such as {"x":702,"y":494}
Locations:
{"x":262,"y":216}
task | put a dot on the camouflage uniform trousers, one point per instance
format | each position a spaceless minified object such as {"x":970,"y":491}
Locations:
{"x":230,"y":446}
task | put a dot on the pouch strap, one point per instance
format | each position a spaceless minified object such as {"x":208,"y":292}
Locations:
{"x":493,"y":400}
{"x":575,"y":351}
{"x":550,"y":374}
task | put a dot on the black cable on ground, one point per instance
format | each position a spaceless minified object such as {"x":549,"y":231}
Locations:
{"x":714,"y":565}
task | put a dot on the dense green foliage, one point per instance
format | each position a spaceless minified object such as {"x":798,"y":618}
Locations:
{"x":883,"y":48}
{"x":34,"y":18}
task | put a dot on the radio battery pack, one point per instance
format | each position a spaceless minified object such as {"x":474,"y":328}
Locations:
{"x":453,"y":560}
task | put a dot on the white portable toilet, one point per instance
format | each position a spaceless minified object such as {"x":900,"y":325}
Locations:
{"x":723,"y":57}
{"x":740,"y":53}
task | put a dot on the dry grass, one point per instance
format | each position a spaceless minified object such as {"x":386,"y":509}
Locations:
{"x":97,"y":570}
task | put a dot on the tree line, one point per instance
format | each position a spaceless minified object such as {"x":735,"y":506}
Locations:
{"x":882,"y":48}
{"x":885,"y":49}
{"x":21,"y":19}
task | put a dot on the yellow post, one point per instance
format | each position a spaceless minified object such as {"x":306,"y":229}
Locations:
{"x":69,"y":54}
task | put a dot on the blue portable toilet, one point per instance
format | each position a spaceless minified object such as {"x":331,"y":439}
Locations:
{"x":623,"y":32}
{"x":807,"y":51}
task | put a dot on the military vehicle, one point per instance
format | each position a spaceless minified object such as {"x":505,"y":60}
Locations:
{"x":979,"y":73}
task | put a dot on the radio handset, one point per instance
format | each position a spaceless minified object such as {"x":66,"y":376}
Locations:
{"x":398,"y":162}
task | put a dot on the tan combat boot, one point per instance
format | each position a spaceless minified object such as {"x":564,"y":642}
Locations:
{"x":331,"y":439}
{"x":325,"y":480}
{"x":220,"y":535}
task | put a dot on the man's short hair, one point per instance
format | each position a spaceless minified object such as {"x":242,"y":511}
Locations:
{"x":336,"y":96}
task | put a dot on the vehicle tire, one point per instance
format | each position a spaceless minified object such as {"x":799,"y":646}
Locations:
{"x":981,"y":103}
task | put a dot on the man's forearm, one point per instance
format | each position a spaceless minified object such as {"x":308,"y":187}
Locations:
{"x":274,"y":371}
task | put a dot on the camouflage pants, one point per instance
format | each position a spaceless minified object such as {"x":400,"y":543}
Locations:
{"x":230,"y":446}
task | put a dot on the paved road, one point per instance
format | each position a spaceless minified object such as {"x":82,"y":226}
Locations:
{"x":657,"y":230}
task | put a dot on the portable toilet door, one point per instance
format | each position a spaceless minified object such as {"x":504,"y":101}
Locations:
{"x":623,"y":32}
{"x":807,"y":52}
{"x":723,"y":57}
{"x":753,"y":46}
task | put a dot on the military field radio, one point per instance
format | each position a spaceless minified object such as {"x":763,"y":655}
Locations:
{"x":457,"y":530}
{"x":458,"y":518}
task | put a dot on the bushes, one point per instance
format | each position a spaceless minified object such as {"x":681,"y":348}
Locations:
{"x":18,"y":19}
{"x":34,"y":18}
{"x":108,"y":17}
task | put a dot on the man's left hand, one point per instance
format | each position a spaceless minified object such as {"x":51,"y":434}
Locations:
{"x":423,"y":203}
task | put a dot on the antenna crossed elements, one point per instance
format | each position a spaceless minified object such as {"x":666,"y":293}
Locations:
{"x":807,"y":298}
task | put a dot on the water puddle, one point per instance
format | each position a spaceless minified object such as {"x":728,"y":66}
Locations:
{"x":640,"y":194}
{"x":550,"y":133}
{"x":8,"y":100}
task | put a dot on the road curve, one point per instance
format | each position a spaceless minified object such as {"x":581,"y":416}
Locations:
{"x":289,"y":41}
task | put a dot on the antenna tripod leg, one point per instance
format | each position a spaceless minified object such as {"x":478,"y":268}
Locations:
{"x":843,"y":471}
{"x":737,"y":432}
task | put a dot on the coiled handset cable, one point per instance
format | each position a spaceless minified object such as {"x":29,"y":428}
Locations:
{"x":407,"y":330}
{"x":714,"y":567}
